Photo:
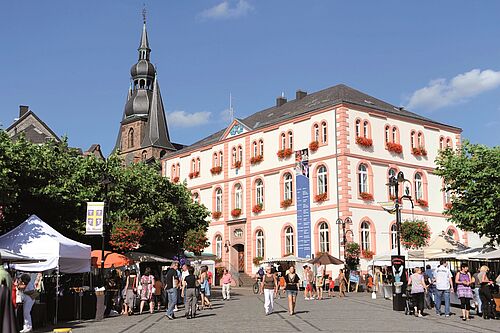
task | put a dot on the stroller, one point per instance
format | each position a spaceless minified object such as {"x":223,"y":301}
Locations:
{"x":409,"y":303}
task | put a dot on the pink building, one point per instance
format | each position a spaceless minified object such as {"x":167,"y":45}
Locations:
{"x":245,"y":175}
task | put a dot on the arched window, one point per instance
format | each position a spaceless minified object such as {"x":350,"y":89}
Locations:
{"x":173,"y":172}
{"x":259,"y":244}
{"x":218,"y":200}
{"x":324,"y":132}
{"x":395,"y":134}
{"x":365,"y":236}
{"x":451,"y":232}
{"x":216,"y":160}
{"x":234,"y":155}
{"x":447,"y":195}
{"x":261,"y":147}
{"x":358,"y":128}
{"x":240,"y":154}
{"x":322,"y":180}
{"x":387,"y":133}
{"x":419,"y":187}
{"x":316,"y":133}
{"x":221,"y":159}
{"x":218,"y":246}
{"x":448,"y":143}
{"x":283,"y":140}
{"x":178,"y":170}
{"x":365,"y":128}
{"x":144,"y":155}
{"x":363,"y":178}
{"x":259,"y":192}
{"x":412,"y":139}
{"x":198,"y":164}
{"x":289,"y":246}
{"x":237,"y":196}
{"x":441,"y":143}
{"x":287,"y":187}
{"x":392,"y":190}
{"x":394,"y":236}
{"x":131,"y":138}
{"x":196,"y":197}
{"x":255,"y":149}
{"x":420,"y":139}
{"x":193,"y":165}
{"x":324,"y":237}
{"x":290,"y":139}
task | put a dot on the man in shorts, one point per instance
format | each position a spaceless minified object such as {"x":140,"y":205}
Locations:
{"x":309,"y":278}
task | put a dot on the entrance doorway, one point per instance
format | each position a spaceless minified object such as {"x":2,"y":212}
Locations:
{"x":241,"y":257}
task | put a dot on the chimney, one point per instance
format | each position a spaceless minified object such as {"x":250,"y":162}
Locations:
{"x":23,"y":109}
{"x":280,"y":100}
{"x":299,"y":94}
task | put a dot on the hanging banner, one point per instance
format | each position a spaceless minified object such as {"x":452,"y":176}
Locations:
{"x":303,"y":203}
{"x":95,"y":218}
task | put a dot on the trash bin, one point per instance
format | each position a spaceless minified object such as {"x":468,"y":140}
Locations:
{"x":398,"y":301}
{"x":99,"y":313}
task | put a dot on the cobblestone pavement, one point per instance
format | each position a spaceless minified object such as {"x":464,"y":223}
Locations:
{"x":245,"y":313}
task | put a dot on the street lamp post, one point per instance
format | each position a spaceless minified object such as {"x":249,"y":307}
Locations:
{"x":343,"y":223}
{"x":106,"y":182}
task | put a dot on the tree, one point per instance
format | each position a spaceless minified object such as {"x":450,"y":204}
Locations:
{"x":196,"y":241}
{"x":471,"y":175}
{"x":352,"y":252}
{"x":54,"y":182}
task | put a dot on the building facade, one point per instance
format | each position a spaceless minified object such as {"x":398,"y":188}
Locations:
{"x":245,"y":175}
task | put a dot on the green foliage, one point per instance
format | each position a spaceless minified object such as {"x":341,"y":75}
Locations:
{"x":415,"y":233}
{"x":196,"y":241}
{"x":352,"y":252}
{"x":472,"y":176}
{"x":257,"y":260}
{"x":126,"y":234}
{"x":54,"y":182}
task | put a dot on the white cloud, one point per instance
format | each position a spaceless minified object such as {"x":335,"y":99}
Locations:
{"x":440,"y":93}
{"x":225,"y":116}
{"x":186,"y":119}
{"x":224,"y":10}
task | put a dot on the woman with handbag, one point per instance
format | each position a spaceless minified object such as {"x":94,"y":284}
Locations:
{"x":147,"y":290}
{"x":204,"y":288}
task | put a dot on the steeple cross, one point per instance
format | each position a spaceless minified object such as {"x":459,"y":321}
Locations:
{"x":144,"y":12}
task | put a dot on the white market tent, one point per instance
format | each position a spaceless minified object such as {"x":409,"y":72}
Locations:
{"x":412,"y":258}
{"x":489,"y":256}
{"x":36,"y":239}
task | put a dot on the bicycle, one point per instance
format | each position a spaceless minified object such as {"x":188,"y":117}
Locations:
{"x":256,"y":287}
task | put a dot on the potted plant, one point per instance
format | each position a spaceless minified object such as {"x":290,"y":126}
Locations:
{"x":313,"y":146}
{"x":419,"y":151}
{"x":367,"y":254}
{"x":216,"y":170}
{"x":216,"y":215}
{"x":448,"y":205}
{"x":236,"y":212}
{"x":256,"y":159}
{"x":237,"y":164}
{"x":366,"y":196}
{"x":191,"y":175}
{"x":257,"y":208}
{"x":320,"y":197}
{"x":175,"y":180}
{"x":422,"y":203}
{"x":394,"y":147}
{"x":256,"y":260}
{"x":415,"y":233}
{"x":281,"y":153}
{"x":365,"y":142}
{"x":286,"y":203}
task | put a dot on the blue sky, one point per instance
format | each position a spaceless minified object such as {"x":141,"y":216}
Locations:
{"x":70,"y":60}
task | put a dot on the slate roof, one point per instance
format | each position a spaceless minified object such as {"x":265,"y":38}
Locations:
{"x":311,"y":102}
{"x":32,"y":133}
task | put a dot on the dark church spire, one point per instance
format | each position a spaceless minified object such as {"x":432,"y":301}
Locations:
{"x":144,"y":49}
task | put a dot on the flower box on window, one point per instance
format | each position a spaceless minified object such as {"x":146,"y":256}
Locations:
{"x":236,"y":212}
{"x":256,"y":159}
{"x":175,"y":179}
{"x":313,"y":146}
{"x":394,"y":147}
{"x":286,"y":203}
{"x":419,"y":151}
{"x":191,"y":175}
{"x":216,"y":215}
{"x":237,"y":164}
{"x":256,"y":261}
{"x":216,"y":170}
{"x":448,"y":205}
{"x":320,"y":197}
{"x":367,"y":254}
{"x":392,"y":197}
{"x":422,"y":203}
{"x":284,"y":153}
{"x":257,"y":208}
{"x":365,"y":142}
{"x":366,"y":196}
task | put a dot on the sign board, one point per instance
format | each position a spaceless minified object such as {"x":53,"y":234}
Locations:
{"x":303,"y":203}
{"x":95,"y":218}
{"x":354,"y":277}
{"x":398,"y":269}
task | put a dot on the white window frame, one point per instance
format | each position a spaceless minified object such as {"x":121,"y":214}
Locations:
{"x":363,"y":178}
{"x":324,"y":237}
{"x":289,"y":241}
{"x":322,"y":178}
{"x":419,"y":186}
{"x":218,"y":200}
{"x":365,"y":236}
{"x":259,"y":244}
{"x":324,"y":131}
{"x":259,"y":192}
{"x":394,"y":236}
{"x":287,"y":187}
{"x":238,"y":196}
{"x":218,"y":246}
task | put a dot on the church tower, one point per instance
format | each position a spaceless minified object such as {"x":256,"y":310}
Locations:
{"x":143,"y":134}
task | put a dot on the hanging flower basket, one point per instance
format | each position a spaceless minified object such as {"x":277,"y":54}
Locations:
{"x":216,"y":170}
{"x":313,"y":146}
{"x":394,"y":147}
{"x":286,"y":203}
{"x":256,"y":159}
{"x":415,"y":234}
{"x":236,"y":212}
{"x":366,"y":196}
{"x":237,"y":164}
{"x":216,"y":215}
{"x":367,"y":254}
{"x":320,"y":197}
{"x":422,"y":203}
{"x":175,"y":180}
{"x":365,"y":142}
{"x":257,"y":208}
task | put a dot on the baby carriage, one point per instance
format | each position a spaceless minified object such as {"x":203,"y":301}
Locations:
{"x":409,"y":304}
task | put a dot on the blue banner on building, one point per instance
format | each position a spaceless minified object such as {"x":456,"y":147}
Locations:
{"x":303,"y":204}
